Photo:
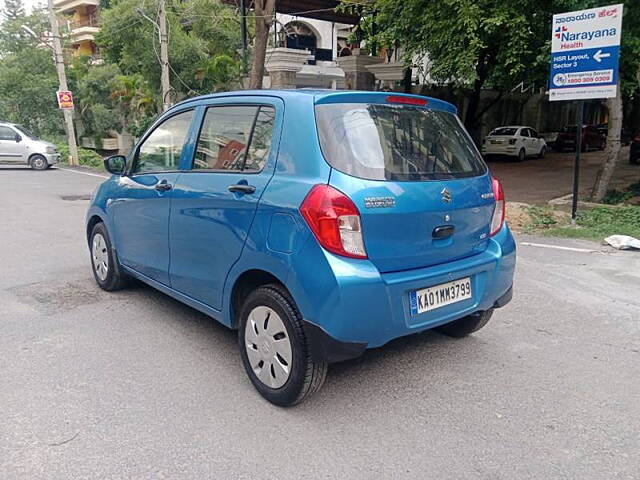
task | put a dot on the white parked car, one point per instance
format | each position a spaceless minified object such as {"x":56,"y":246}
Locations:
{"x":20,"y":147}
{"x":514,"y":141}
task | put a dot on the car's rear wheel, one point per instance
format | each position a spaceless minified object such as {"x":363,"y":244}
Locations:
{"x":103,"y":261}
{"x":38,"y":162}
{"x":522,"y":154}
{"x":274,"y":348}
{"x":466,"y":325}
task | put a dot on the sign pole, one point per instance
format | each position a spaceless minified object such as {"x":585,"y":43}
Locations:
{"x":576,"y":164}
{"x":62,"y":78}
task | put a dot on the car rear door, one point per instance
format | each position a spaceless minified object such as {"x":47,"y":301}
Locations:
{"x":215,"y":199}
{"x":423,"y":193}
{"x":141,"y":207}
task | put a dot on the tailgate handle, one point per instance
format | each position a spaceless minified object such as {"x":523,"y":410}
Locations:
{"x":443,"y":231}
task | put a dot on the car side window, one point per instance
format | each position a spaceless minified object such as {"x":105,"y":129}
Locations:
{"x":162,"y":149}
{"x":227,"y":132}
{"x":7,"y":134}
{"x":261,"y":139}
{"x":524,"y":132}
{"x":533,"y":133}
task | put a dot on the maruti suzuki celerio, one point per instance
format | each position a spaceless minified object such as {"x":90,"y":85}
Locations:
{"x":316,"y":223}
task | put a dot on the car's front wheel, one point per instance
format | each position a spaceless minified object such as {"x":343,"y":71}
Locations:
{"x":38,"y":162}
{"x":274,"y":348}
{"x":466,"y":325}
{"x":543,"y":152}
{"x":103,"y":261}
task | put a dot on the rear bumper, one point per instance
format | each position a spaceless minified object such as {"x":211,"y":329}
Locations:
{"x":488,"y":149}
{"x":353,"y":303}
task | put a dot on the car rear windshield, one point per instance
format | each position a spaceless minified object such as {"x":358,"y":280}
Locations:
{"x":392,"y":142}
{"x":504,"y":131}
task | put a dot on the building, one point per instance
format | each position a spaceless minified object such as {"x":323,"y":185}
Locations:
{"x":81,"y":22}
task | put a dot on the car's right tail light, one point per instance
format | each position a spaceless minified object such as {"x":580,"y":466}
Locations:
{"x":334,"y":220}
{"x":500,"y":209}
{"x":512,"y":141}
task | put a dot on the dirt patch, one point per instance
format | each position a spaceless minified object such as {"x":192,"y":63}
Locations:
{"x":50,"y":297}
{"x":73,"y":198}
{"x":520,"y":218}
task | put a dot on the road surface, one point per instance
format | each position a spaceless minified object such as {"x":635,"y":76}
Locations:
{"x":136,"y":385}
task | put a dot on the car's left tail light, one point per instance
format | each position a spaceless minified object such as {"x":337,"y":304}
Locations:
{"x":334,"y":220}
{"x":500,"y":209}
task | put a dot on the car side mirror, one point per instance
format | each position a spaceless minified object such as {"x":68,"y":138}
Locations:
{"x":115,"y":164}
{"x":18,"y":138}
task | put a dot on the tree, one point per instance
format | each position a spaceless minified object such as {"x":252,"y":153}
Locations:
{"x":133,"y":96}
{"x":628,"y":87}
{"x":469,"y":44}
{"x":28,"y":80}
{"x":264,"y":11}
{"x":13,"y":9}
{"x":198,"y":32}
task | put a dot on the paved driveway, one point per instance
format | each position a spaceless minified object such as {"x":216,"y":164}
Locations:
{"x":136,"y":385}
{"x":536,"y":181}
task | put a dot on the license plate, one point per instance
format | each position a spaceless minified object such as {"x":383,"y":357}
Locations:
{"x":427,"y":299}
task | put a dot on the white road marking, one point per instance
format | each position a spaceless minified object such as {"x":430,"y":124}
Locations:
{"x":557,"y":247}
{"x":82,"y":173}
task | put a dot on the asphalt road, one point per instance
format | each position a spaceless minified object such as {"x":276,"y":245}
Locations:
{"x":136,"y":385}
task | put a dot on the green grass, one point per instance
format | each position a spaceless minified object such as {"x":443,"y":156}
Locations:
{"x":593,"y":224}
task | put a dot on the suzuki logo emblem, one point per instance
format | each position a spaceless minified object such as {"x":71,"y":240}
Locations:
{"x":446,"y":196}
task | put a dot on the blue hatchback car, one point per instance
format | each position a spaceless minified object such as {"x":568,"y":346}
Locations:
{"x":316,"y":223}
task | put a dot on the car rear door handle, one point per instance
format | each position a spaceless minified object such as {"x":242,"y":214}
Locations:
{"x":242,"y":188}
{"x":163,"y":186}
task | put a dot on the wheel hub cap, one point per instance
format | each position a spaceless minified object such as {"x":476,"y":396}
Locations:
{"x":268,"y":347}
{"x":100,"y":256}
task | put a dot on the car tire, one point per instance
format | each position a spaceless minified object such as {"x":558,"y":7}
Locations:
{"x":103,"y":261}
{"x":274,"y":349}
{"x":522,"y":154}
{"x":543,"y":152}
{"x":38,"y":162}
{"x":466,"y":325}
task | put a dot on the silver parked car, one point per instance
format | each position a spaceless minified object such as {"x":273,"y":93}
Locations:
{"x":20,"y":147}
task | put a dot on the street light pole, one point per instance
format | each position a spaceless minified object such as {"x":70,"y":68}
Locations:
{"x":62,"y":80}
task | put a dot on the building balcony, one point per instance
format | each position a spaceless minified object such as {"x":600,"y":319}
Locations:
{"x":68,"y":6}
{"x":83,"y":31}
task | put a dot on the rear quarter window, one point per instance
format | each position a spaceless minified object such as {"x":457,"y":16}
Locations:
{"x":392,"y":142}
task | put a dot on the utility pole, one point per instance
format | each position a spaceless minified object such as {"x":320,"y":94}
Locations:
{"x":161,"y":25}
{"x":164,"y":55}
{"x":62,"y":80}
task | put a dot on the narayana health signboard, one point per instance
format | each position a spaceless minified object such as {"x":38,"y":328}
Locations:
{"x":585,"y":46}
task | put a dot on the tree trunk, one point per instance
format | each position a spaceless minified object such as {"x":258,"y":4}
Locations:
{"x":472,"y":106}
{"x":612,"y":151}
{"x":264,"y":12}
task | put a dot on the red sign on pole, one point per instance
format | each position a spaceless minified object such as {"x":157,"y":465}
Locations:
{"x":65,"y":100}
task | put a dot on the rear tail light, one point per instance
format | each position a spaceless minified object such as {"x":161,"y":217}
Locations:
{"x":334,"y":220}
{"x":512,"y":141}
{"x":500,"y":209}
